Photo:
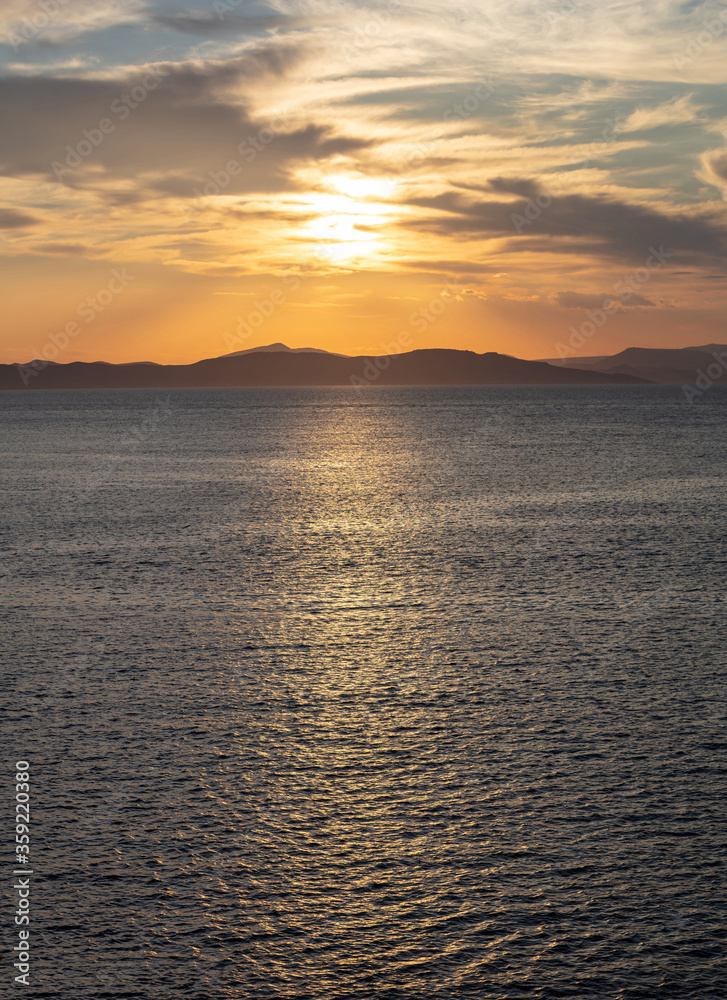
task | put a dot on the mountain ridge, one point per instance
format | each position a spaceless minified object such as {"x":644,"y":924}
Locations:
{"x":279,"y":348}
{"x":665,"y":365}
{"x":431,"y":366}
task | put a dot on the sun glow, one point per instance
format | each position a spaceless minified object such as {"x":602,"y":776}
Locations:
{"x":349,"y":216}
{"x":359,"y":186}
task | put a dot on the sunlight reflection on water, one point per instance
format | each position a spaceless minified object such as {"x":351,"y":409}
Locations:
{"x":332,"y":695}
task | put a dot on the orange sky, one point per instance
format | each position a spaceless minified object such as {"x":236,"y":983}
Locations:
{"x":176,"y":187}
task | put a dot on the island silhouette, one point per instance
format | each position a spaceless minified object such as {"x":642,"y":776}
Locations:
{"x":669,"y":366}
{"x":278,"y":365}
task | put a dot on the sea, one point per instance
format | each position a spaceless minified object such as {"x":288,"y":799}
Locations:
{"x":378,"y":694}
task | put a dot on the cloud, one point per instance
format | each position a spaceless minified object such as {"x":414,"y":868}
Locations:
{"x":674,"y":112}
{"x":578,"y":223}
{"x":206,"y":24}
{"x":579,"y":300}
{"x":66,"y":249}
{"x":714,"y":169}
{"x":26,"y":21}
{"x":449,"y":266}
{"x":12,"y":219}
{"x":525,"y":187}
{"x":168,"y":130}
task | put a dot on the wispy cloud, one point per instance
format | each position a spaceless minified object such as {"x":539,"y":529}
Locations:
{"x":58,"y":23}
{"x":673,"y":112}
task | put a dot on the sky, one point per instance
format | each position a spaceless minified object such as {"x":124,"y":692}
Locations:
{"x":543,"y":179}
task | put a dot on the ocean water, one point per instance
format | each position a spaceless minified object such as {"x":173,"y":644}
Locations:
{"x":404,"y":693}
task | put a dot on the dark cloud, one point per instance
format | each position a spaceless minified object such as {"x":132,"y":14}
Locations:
{"x":718,"y":164}
{"x":450,"y":266}
{"x":203,"y":24}
{"x":272,"y":215}
{"x":181,"y":125}
{"x":522,"y":186}
{"x":11,"y":219}
{"x":578,"y":223}
{"x":578,"y":300}
{"x":66,"y":249}
{"x":639,"y":300}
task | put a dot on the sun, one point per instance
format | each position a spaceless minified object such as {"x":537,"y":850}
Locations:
{"x":360,"y":186}
{"x":349,"y":216}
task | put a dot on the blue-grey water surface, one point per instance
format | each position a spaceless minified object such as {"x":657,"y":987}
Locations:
{"x":404,"y":693}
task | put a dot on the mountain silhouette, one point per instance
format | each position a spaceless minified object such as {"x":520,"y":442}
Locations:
{"x":281,"y":348}
{"x":671,"y":366}
{"x":307,"y":368}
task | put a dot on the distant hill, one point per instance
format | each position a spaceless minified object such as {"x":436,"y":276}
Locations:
{"x":668,"y":366}
{"x":281,"y":348}
{"x":308,"y":368}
